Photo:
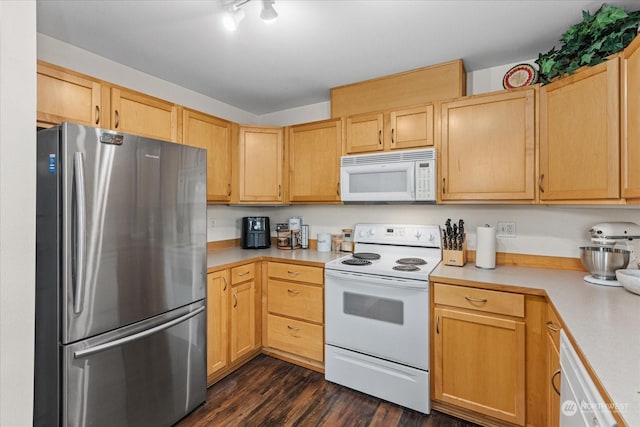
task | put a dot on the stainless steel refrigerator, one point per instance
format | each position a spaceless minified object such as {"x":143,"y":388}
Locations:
{"x":120,"y":279}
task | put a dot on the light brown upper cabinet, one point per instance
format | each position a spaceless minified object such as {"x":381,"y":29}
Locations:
{"x":65,"y":96}
{"x":314,"y":161}
{"x":364,"y":133}
{"x":214,"y":135}
{"x":412,"y":127}
{"x":487,"y":147}
{"x":260,"y":160}
{"x":580,"y":136}
{"x":390,"y":130}
{"x":631,"y":120}
{"x":140,"y":114}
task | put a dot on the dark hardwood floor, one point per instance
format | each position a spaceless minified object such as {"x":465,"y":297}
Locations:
{"x":270,"y":392}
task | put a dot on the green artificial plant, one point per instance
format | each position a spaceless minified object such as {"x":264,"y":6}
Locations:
{"x":609,"y":30}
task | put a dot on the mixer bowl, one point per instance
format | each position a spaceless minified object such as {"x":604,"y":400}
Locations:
{"x":602,"y":262}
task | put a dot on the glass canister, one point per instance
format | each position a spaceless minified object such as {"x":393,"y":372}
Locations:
{"x":336,"y":242}
{"x":347,"y":240}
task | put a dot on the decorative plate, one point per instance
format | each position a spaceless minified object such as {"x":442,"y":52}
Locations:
{"x":520,"y":75}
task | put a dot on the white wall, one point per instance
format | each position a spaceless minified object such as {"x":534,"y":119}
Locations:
{"x":17,"y":209}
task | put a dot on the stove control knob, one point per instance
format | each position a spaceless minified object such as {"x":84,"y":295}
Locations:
{"x":418,"y":235}
{"x":431,"y":237}
{"x":372,"y":232}
{"x":362,"y":233}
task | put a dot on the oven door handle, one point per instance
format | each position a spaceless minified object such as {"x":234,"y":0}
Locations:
{"x":373,"y":279}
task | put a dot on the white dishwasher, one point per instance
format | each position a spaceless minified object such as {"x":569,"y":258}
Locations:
{"x":580,"y":401}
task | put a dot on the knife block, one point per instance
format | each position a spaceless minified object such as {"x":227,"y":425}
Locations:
{"x":456,"y":258}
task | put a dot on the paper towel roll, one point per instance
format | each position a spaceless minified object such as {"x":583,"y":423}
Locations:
{"x":486,"y":247}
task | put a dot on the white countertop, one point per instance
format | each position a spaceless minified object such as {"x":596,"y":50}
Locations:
{"x":604,"y":322}
{"x":237,"y":255}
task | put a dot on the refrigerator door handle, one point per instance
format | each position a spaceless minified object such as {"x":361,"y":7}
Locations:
{"x":81,"y":232}
{"x":121,"y":341}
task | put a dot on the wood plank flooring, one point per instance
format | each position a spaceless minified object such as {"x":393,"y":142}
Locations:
{"x":270,"y":392}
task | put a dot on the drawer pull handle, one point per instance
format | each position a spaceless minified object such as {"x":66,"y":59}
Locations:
{"x":293,"y":273}
{"x":97,"y":115}
{"x":224,"y":279}
{"x":552,"y":327}
{"x":235,"y":299}
{"x":243,"y":273}
{"x":437,"y":324}
{"x":553,"y":383}
{"x":380,"y":137}
{"x":117,"y":114}
{"x":293,"y":329}
{"x":228,"y":189}
{"x":479,"y":300}
{"x":293,"y":291}
{"x":540,"y":183}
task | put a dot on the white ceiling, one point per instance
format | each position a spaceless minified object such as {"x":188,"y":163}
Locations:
{"x":313,"y":46}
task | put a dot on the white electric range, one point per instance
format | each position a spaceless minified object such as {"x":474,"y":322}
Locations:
{"x":377,"y":313}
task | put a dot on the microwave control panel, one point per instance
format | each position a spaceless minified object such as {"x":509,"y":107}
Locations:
{"x":425,"y":180}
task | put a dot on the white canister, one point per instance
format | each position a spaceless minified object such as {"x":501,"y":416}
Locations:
{"x":295,"y":223}
{"x":486,"y":247}
{"x":324,"y":242}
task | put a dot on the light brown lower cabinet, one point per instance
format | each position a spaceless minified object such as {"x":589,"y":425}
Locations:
{"x":217,"y":339}
{"x":233,"y":319}
{"x":553,"y":377}
{"x":295,"y":313}
{"x":479,"y":351}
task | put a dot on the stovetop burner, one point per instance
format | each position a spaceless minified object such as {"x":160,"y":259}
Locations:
{"x":366,"y":255}
{"x":406,"y":268}
{"x":356,"y":261}
{"x":411,"y":261}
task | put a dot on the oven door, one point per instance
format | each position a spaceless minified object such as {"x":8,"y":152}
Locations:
{"x":380,"y":316}
{"x":378,"y":182}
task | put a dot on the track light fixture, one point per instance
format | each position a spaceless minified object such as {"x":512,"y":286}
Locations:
{"x":234,"y":13}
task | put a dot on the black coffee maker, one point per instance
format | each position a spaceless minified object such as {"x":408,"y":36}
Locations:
{"x":256,"y":232}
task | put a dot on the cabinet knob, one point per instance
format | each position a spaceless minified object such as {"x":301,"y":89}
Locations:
{"x":552,"y":327}
{"x":540,"y":183}
{"x":553,"y":384}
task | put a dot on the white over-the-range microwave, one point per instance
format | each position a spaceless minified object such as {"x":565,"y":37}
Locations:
{"x":397,"y":176}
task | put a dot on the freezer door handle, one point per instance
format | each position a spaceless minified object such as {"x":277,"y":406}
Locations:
{"x":121,"y":341}
{"x":80,"y":231}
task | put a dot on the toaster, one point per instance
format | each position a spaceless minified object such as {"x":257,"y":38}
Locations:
{"x":256,"y":232}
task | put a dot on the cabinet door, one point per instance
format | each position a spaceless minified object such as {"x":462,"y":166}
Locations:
{"x":214,"y":135}
{"x":260,"y":155}
{"x":64,"y":96}
{"x":217,"y":302}
{"x":314,"y":161}
{"x":364,"y":133}
{"x":479,"y":363}
{"x":580,"y":135}
{"x":553,"y":378}
{"x":243,"y":320}
{"x":631,"y":121}
{"x":139,"y":114}
{"x":488,"y":147}
{"x":412,"y":128}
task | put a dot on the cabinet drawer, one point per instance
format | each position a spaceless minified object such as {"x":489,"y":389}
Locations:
{"x":292,"y":336}
{"x":295,"y":300}
{"x":299,"y":273}
{"x":479,"y":299}
{"x":242,"y":273}
{"x":553,"y":326}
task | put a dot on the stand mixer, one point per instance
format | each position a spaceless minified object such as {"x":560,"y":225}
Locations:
{"x":612,"y":235}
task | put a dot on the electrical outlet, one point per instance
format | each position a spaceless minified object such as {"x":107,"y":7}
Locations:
{"x":506,"y":229}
